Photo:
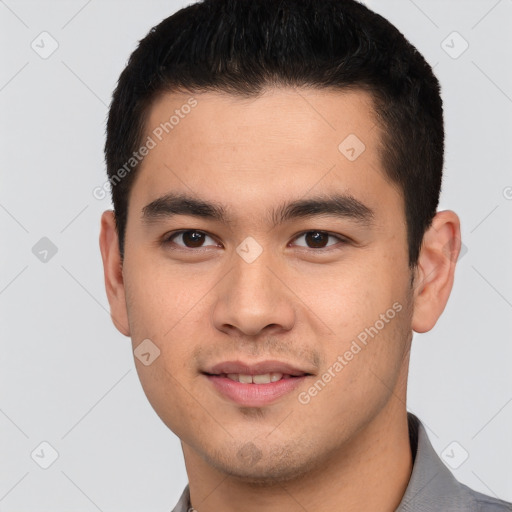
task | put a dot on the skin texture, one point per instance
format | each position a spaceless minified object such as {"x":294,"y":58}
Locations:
{"x":296,"y":302}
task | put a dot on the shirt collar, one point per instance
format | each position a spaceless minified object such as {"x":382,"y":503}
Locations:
{"x":432,"y":486}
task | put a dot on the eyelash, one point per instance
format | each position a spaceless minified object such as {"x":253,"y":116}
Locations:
{"x":343,"y":240}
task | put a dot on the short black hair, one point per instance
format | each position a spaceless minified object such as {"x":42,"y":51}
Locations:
{"x":242,"y":47}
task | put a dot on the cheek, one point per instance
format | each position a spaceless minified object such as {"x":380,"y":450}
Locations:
{"x":359,"y":377}
{"x":171,"y":396}
{"x":351,"y":296}
{"x":368,"y":313}
{"x":162,"y":310}
{"x":160,"y":295}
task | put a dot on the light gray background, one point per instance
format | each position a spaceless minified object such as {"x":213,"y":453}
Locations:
{"x":67,"y":376}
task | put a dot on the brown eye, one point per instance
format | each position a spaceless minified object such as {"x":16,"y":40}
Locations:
{"x":319,"y":239}
{"x":192,"y":239}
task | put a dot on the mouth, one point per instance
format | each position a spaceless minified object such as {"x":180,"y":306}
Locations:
{"x":259,"y":369}
{"x":262,"y":378}
{"x":255,"y":385}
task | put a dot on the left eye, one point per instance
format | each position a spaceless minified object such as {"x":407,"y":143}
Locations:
{"x":193,"y":239}
{"x":318,"y":239}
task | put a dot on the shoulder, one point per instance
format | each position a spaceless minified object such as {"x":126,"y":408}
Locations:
{"x":484,"y":503}
{"x":433,"y":487}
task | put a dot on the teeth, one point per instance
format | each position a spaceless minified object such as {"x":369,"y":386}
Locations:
{"x":261,"y":379}
{"x":265,"y":378}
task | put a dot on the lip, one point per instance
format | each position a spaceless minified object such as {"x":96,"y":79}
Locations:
{"x":258,"y":368}
{"x":255,"y":395}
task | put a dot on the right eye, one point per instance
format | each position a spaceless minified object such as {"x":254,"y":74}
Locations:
{"x":192,"y":239}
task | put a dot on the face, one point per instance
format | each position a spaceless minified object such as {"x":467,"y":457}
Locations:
{"x":314,"y":297}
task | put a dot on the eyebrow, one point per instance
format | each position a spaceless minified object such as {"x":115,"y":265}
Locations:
{"x":337,"y":205}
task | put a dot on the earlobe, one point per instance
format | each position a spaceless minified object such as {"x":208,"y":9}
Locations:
{"x":112,"y":269}
{"x":436,"y":269}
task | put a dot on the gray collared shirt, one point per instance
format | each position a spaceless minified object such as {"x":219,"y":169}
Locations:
{"x":431,"y":488}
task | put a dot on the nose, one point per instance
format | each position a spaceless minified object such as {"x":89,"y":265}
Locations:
{"x":254,"y":297}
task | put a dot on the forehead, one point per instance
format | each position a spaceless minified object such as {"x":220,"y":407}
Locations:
{"x":286,"y":117}
{"x":253,"y":150}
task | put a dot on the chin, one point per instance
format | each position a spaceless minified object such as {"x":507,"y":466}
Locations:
{"x":252,"y":466}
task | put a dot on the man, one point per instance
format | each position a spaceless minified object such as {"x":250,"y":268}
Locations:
{"x":275,"y":171}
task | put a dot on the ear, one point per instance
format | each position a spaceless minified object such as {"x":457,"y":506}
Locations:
{"x":113,"y":271}
{"x":435,"y":271}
